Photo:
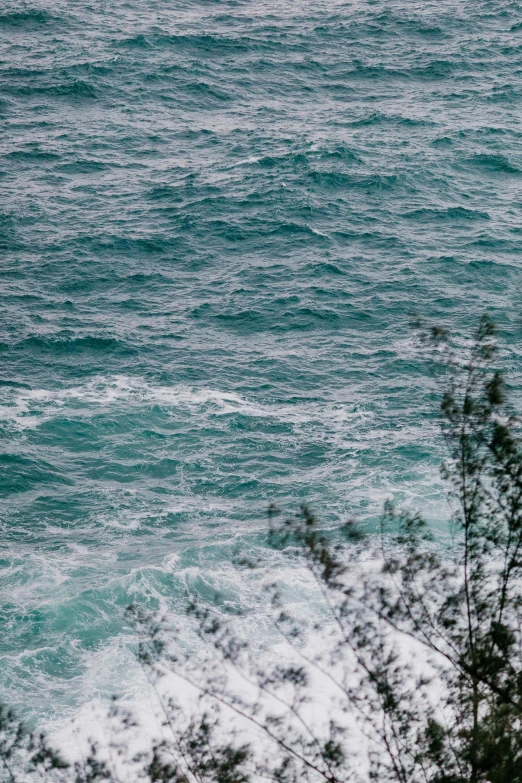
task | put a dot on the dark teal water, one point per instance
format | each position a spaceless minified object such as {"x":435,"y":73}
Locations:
{"x":215,"y":220}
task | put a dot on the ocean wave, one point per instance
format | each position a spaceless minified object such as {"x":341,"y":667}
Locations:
{"x":380,"y":118}
{"x":76,"y":89}
{"x":32,"y":407}
{"x":204,"y":90}
{"x":127,"y":246}
{"x":494,"y":163}
{"x":198,"y":44}
{"x":84,"y":166}
{"x":72,"y":345}
{"x":33,"y":154}
{"x":32,"y":17}
{"x":20,"y":473}
{"x":449,"y":213}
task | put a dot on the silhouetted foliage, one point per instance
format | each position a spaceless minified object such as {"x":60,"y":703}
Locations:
{"x":23,"y":753}
{"x":409,"y":667}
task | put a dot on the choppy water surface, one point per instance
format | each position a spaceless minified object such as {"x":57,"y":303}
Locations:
{"x":215,"y":220}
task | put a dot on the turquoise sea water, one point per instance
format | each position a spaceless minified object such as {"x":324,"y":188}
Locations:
{"x":215,"y":221}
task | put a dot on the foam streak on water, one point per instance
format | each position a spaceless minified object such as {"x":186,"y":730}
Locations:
{"x":215,"y":221}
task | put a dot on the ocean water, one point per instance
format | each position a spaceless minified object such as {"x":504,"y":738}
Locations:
{"x":216,"y":218}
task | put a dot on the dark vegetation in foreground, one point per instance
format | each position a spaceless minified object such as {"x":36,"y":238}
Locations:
{"x":419,"y":672}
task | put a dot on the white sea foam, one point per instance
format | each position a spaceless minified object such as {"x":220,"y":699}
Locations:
{"x":346,"y":430}
{"x":27,"y":409}
{"x":303,"y":601}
